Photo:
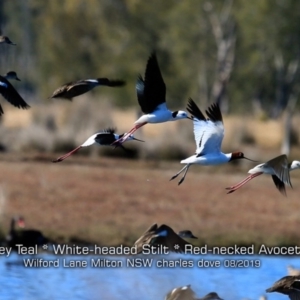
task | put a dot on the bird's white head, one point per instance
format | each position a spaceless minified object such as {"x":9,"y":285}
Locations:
{"x":295,"y":165}
{"x":12,"y":75}
{"x":180,"y":114}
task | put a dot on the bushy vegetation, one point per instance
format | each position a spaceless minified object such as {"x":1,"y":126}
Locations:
{"x":63,"y":41}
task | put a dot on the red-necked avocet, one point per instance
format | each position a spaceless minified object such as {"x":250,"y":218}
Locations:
{"x":9,"y":92}
{"x":151,"y":94}
{"x":76,"y":88}
{"x":209,"y":134}
{"x":103,"y":138}
{"x":278,"y":167}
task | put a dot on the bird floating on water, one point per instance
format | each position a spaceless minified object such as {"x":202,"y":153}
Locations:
{"x":26,"y":237}
{"x":105,"y":137}
{"x":165,"y":236}
{"x":278,"y":167}
{"x":209,"y":135}
{"x":151,"y":94}
{"x":9,"y":92}
{"x":288,"y":285}
{"x":5,"y":40}
{"x":181,"y":293}
{"x":186,"y":293}
{"x":76,"y":88}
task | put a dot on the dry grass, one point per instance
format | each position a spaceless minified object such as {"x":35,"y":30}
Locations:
{"x":112,"y":201}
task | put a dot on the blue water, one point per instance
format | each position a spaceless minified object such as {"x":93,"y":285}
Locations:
{"x":148,"y":283}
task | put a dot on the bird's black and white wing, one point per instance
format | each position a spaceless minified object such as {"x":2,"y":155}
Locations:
{"x":11,"y":95}
{"x":279,"y":185}
{"x":280,"y":166}
{"x":105,"y":137}
{"x":209,"y":133}
{"x":151,"y":91}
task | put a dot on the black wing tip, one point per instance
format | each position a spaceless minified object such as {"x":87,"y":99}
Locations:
{"x":152,"y":54}
{"x":194,"y":110}
{"x":110,"y":130}
{"x":279,"y":185}
{"x":214,"y":113}
{"x":111,"y":82}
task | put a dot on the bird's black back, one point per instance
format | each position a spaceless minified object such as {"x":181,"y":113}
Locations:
{"x":106,"y":137}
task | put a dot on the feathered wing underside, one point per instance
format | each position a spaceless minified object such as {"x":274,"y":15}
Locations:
{"x":279,"y":184}
{"x":209,"y":133}
{"x":208,"y":136}
{"x":11,"y":95}
{"x":154,"y":90}
{"x":280,"y":166}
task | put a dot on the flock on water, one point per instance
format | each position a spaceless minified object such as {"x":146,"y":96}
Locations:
{"x":208,"y":133}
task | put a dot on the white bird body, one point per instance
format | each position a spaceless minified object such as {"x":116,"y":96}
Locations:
{"x":160,"y":115}
{"x":278,"y":167}
{"x":209,"y":134}
{"x":209,"y":159}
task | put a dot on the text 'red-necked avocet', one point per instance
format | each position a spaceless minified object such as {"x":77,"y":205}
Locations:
{"x":151,"y":94}
{"x":5,"y":40}
{"x":208,"y":134}
{"x":75,"y":88}
{"x":9,"y":92}
{"x":278,"y":167}
{"x":103,"y":138}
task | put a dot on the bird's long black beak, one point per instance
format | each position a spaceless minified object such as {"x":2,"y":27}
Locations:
{"x":18,"y":79}
{"x":251,"y":159}
{"x":138,"y":140}
{"x":190,"y":118}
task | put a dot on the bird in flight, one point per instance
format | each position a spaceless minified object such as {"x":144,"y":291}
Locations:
{"x":151,"y":94}
{"x":75,"y":88}
{"x":278,"y":167}
{"x":103,"y":138}
{"x":9,"y":92}
{"x":209,"y":135}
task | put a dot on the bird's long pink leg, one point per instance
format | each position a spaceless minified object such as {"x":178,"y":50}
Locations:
{"x":243,"y":182}
{"x":127,"y":135}
{"x":61,"y":158}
